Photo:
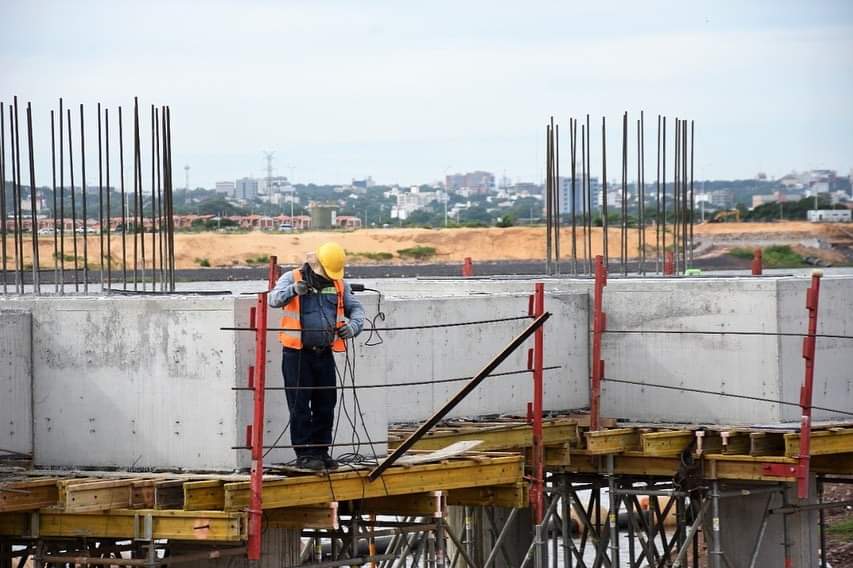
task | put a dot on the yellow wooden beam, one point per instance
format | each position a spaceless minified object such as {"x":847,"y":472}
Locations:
{"x":666,"y":443}
{"x":512,"y":496}
{"x":612,"y":441}
{"x":142,"y":494}
{"x":823,"y":442}
{"x":413,"y":504}
{"x":28,"y":495}
{"x":213,"y":526}
{"x":766,"y":443}
{"x":835,"y":464}
{"x":347,"y":486}
{"x":205,"y":495}
{"x":499,"y":437}
{"x":735,"y":442}
{"x":95,"y":496}
{"x":309,"y":517}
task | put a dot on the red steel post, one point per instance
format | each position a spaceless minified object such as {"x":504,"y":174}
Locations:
{"x":812,"y":295}
{"x":537,"y":492}
{"x":468,"y":268}
{"x":257,"y":430}
{"x":599,"y":323}
{"x":756,"y":262}
{"x":273,"y":272}
{"x":668,"y":264}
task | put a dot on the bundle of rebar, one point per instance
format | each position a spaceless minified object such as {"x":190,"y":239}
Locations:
{"x":672,"y":216}
{"x":150,"y":269}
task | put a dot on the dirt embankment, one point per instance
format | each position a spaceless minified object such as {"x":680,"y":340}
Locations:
{"x":451,"y":245}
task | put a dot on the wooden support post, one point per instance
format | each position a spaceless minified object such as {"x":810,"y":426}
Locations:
{"x":599,"y":323}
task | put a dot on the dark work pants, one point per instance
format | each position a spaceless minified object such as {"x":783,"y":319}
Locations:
{"x":312,"y":411}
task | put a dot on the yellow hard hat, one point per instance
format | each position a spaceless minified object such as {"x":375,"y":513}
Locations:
{"x":332,"y":258}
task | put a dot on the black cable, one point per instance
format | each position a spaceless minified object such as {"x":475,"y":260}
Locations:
{"x":718,"y":393}
{"x":694,"y":332}
{"x":400,"y":328}
{"x":413,"y":383}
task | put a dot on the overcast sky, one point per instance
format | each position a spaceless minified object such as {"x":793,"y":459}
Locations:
{"x":408,"y":91}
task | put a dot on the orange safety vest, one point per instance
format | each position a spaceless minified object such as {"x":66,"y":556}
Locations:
{"x":291,"y":321}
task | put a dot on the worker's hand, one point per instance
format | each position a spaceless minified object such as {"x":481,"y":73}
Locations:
{"x":301,"y":288}
{"x":346,"y":331}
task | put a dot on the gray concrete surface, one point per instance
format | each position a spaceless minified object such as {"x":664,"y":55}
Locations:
{"x":16,"y":397}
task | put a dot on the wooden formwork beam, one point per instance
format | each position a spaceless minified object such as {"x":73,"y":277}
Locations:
{"x":612,"y":441}
{"x":204,"y":495}
{"x":29,"y":495}
{"x":823,"y":442}
{"x":666,"y":443}
{"x":213,"y":526}
{"x":348,"y":486}
{"x":93,"y":496}
{"x":309,"y":517}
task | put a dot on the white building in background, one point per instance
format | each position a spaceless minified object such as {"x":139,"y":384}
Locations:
{"x":411,"y":201}
{"x":225,"y":187}
{"x":830,"y":215}
{"x":246,"y":188}
{"x":565,"y":191}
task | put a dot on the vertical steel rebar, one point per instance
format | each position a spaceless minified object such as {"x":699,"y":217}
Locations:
{"x":100,"y":200}
{"x":61,"y":199}
{"x":688,"y":196}
{"x":123,"y":202}
{"x":585,"y":211}
{"x":657,"y":205}
{"x":171,"y":218}
{"x":153,"y":208}
{"x":641,"y":191}
{"x":548,"y":193}
{"x":557,"y":189}
{"x":136,"y":191}
{"x":33,"y":204}
{"x":54,"y":211}
{"x":604,"y":192}
{"x":85,"y":212}
{"x":573,"y":155}
{"x":109,"y":215}
{"x":588,"y":198}
{"x":624,"y":243}
{"x":16,"y":196}
{"x":20,"y":199}
{"x":160,"y":221}
{"x":73,"y":202}
{"x":3,"y":228}
{"x":692,"y":195}
{"x":139,"y":196}
{"x":676,"y":159}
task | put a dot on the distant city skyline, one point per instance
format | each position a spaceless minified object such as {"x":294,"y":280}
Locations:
{"x":412,"y":93}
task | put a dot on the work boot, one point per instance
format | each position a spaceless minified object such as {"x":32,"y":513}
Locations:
{"x":328,"y":461}
{"x":313,"y":463}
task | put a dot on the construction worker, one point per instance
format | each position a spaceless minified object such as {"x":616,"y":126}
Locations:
{"x":320,"y":314}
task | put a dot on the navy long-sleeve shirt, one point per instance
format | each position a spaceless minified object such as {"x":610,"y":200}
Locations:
{"x":317,"y":310}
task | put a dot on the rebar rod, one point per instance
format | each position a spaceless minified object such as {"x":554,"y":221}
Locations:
{"x":548,"y":181}
{"x":16,"y":196}
{"x":585,"y":211}
{"x":573,"y":134}
{"x":604,"y":191}
{"x":557,"y":188}
{"x":61,"y":199}
{"x":641,"y":151}
{"x":676,"y":199}
{"x":140,"y":208}
{"x":136,"y":190}
{"x":73,"y":202}
{"x":109,"y":216}
{"x":33,"y":204}
{"x":160,"y":221}
{"x":657,"y":205}
{"x":3,"y":228}
{"x":692,"y":195}
{"x":623,"y":222}
{"x":153,"y":207}
{"x":171,"y":218}
{"x":123,"y":202}
{"x":588,"y":198}
{"x":85,"y":212}
{"x":663,"y":194}
{"x":100,"y":200}
{"x":688,"y":206}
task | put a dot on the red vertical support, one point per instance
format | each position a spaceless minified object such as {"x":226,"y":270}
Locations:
{"x":468,"y":268}
{"x":273,"y":272}
{"x":257,"y":429}
{"x":812,"y":295}
{"x":668,"y":264}
{"x":537,"y":491}
{"x":599,"y":323}
{"x":756,"y":262}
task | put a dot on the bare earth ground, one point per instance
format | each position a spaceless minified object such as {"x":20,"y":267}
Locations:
{"x":452,"y":245}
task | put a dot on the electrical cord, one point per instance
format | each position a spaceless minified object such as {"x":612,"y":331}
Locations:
{"x":720,"y":393}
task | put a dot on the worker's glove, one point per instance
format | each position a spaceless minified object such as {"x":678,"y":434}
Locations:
{"x":346,"y":331}
{"x":301,"y":288}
